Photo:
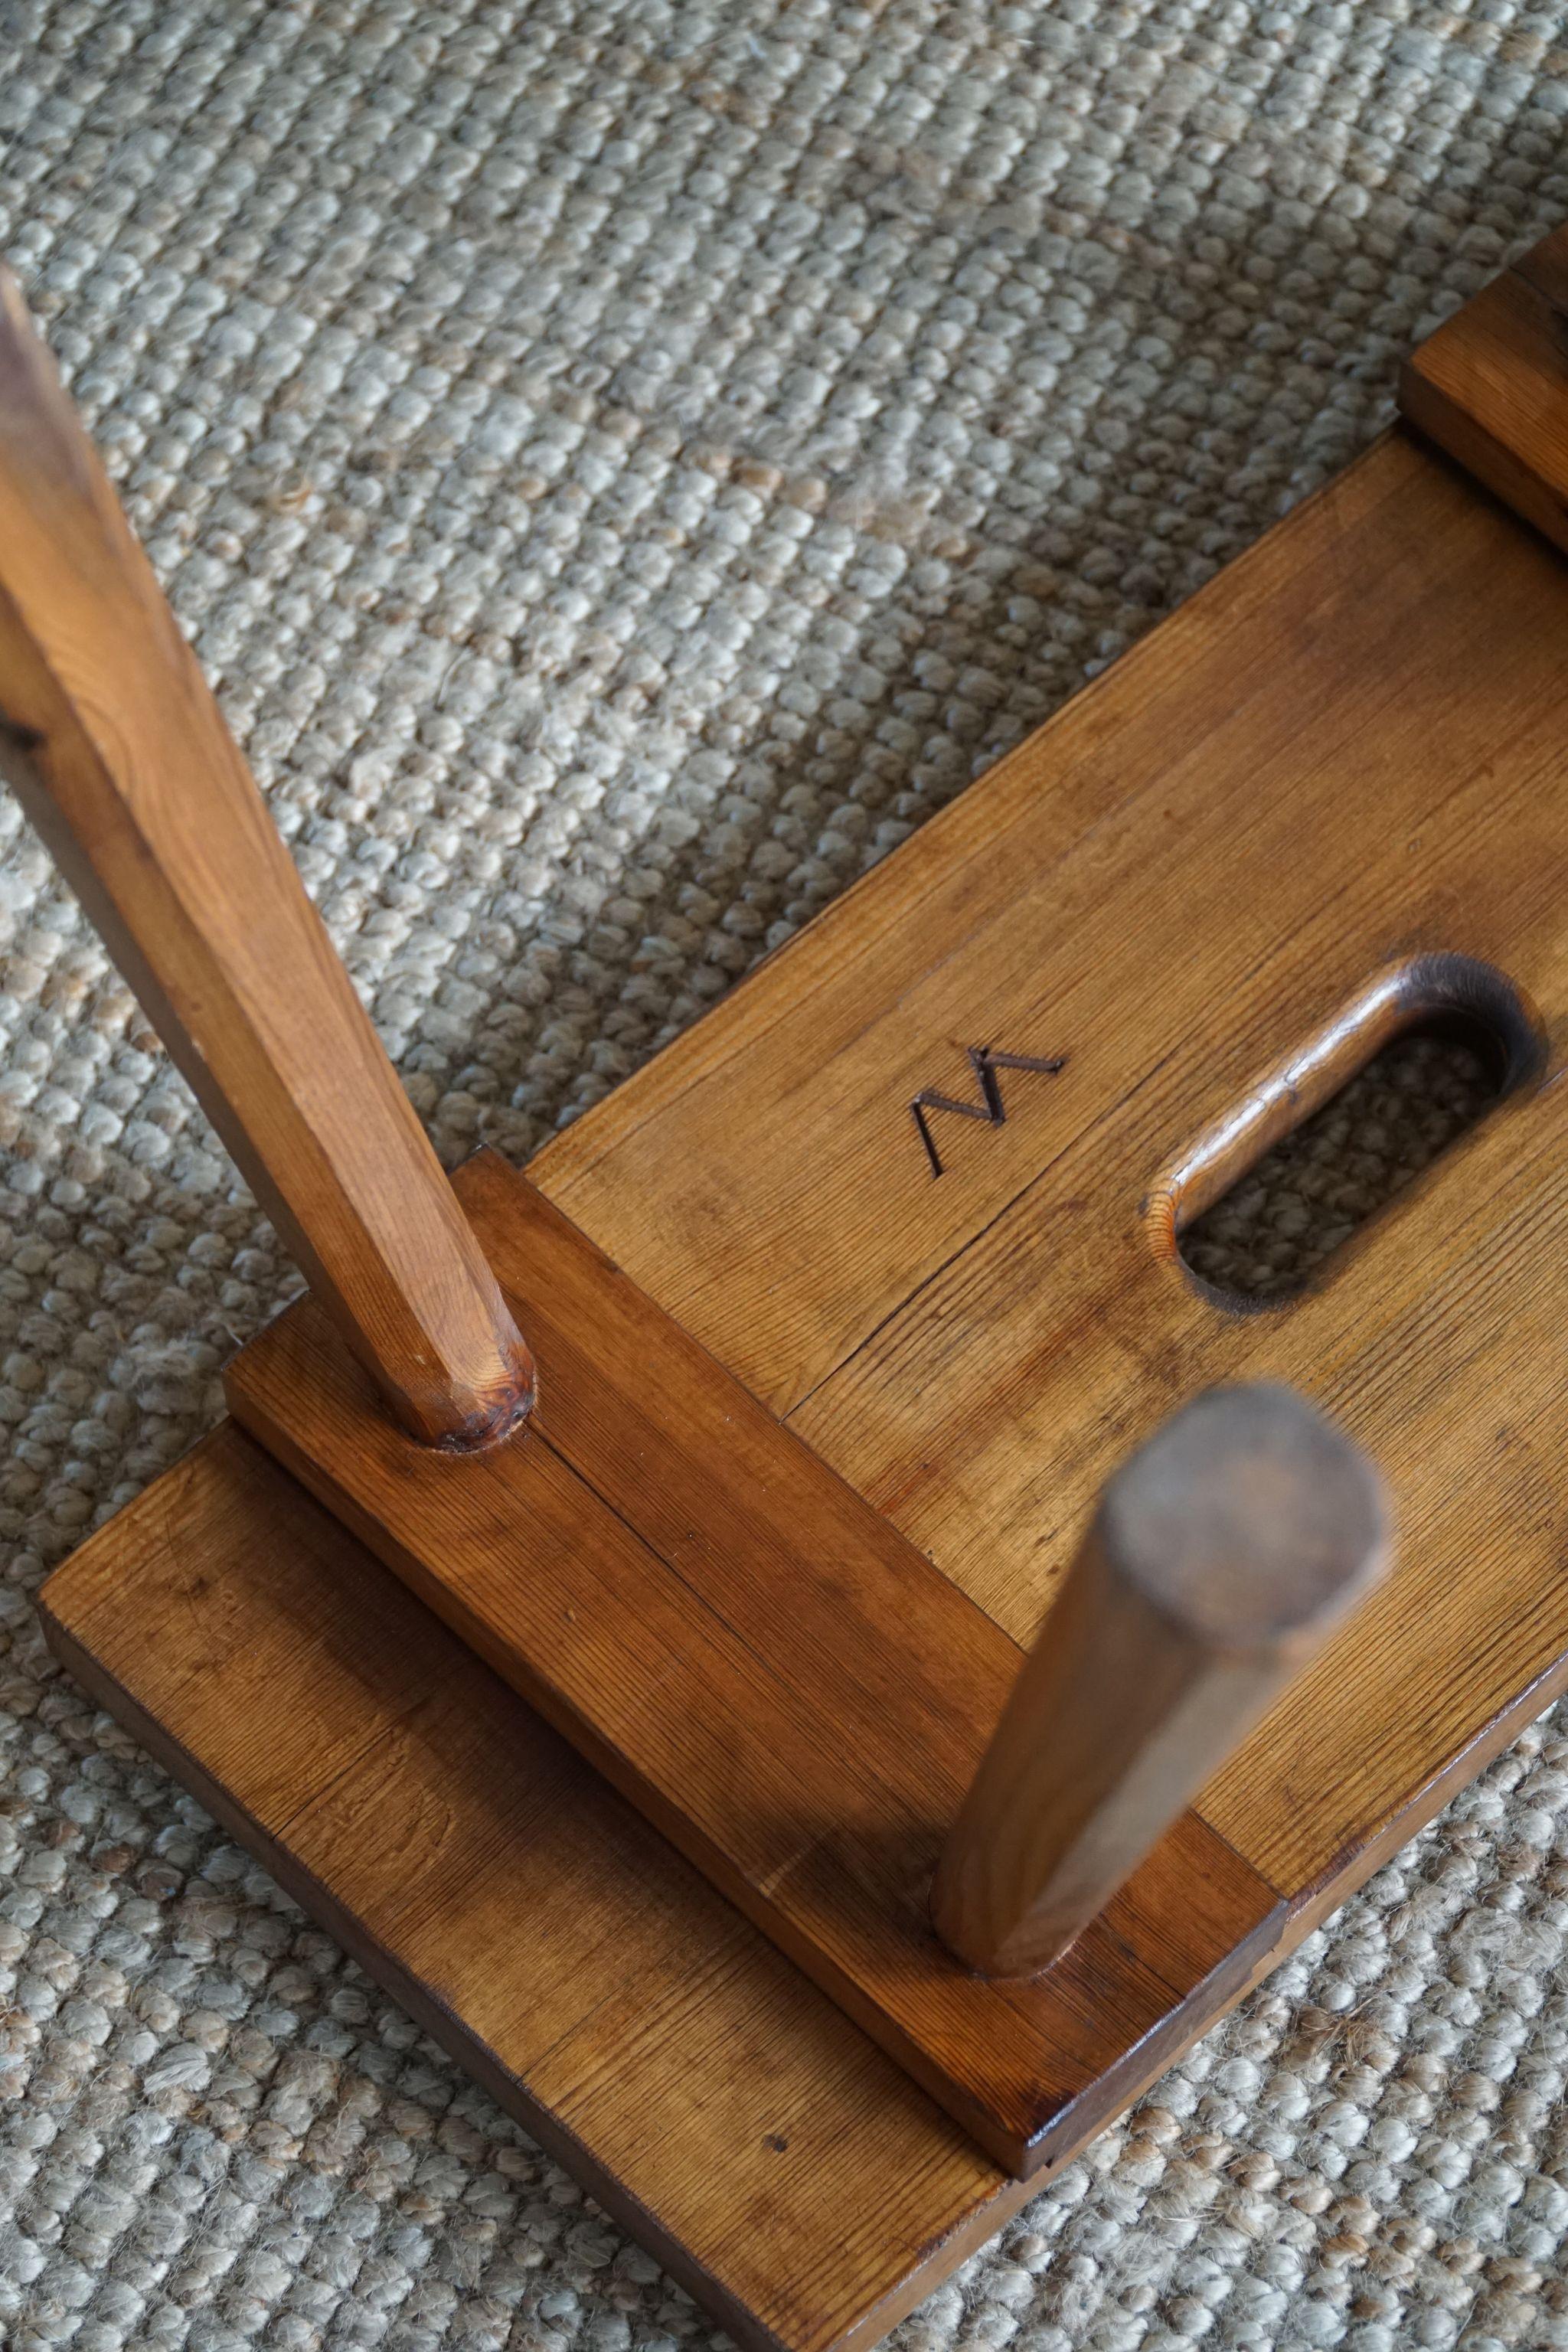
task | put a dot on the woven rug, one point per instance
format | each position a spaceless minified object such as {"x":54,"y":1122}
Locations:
{"x":624,"y":467}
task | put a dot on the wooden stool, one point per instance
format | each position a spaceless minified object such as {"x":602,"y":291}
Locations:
{"x":723,"y":1829}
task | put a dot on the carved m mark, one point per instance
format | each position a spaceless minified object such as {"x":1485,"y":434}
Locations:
{"x":984,"y":1063}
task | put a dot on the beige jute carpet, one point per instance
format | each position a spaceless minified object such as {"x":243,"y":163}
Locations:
{"x":625,"y":466}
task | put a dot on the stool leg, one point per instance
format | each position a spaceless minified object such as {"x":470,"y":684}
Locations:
{"x":1220,"y":1557}
{"x":120,"y":757}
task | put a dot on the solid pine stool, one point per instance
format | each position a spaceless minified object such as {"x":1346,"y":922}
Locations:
{"x":886,"y":1361}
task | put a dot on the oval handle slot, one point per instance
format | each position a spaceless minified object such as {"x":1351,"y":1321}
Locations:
{"x":1273,"y":1190}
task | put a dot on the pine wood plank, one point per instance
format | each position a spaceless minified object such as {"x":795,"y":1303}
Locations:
{"x":528,"y":1919}
{"x":797,"y":1090}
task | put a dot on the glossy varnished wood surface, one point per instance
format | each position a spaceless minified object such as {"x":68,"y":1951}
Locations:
{"x":1340,"y":758}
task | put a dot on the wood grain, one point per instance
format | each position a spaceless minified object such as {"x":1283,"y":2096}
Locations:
{"x":120,"y":755}
{"x":1217,"y":1561}
{"x":528,"y":1918}
{"x":1325,"y":794}
{"x":721,"y":2109}
{"x":765,"y":1667}
{"x":1220,"y":873}
{"x":1491,"y":387}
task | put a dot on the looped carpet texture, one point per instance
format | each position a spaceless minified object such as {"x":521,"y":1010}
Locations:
{"x":623,"y":467}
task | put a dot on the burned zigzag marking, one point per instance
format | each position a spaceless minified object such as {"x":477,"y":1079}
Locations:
{"x":990,"y":1110}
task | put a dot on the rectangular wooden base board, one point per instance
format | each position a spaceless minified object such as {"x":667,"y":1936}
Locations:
{"x":723,"y":2110}
{"x":727,"y":2113}
{"x":1215,"y":879}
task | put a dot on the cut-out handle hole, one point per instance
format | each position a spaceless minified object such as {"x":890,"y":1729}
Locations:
{"x":1388,"y":1090}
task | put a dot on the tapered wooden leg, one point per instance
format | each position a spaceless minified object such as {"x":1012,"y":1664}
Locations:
{"x":120,"y":757}
{"x":1221,"y":1556}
